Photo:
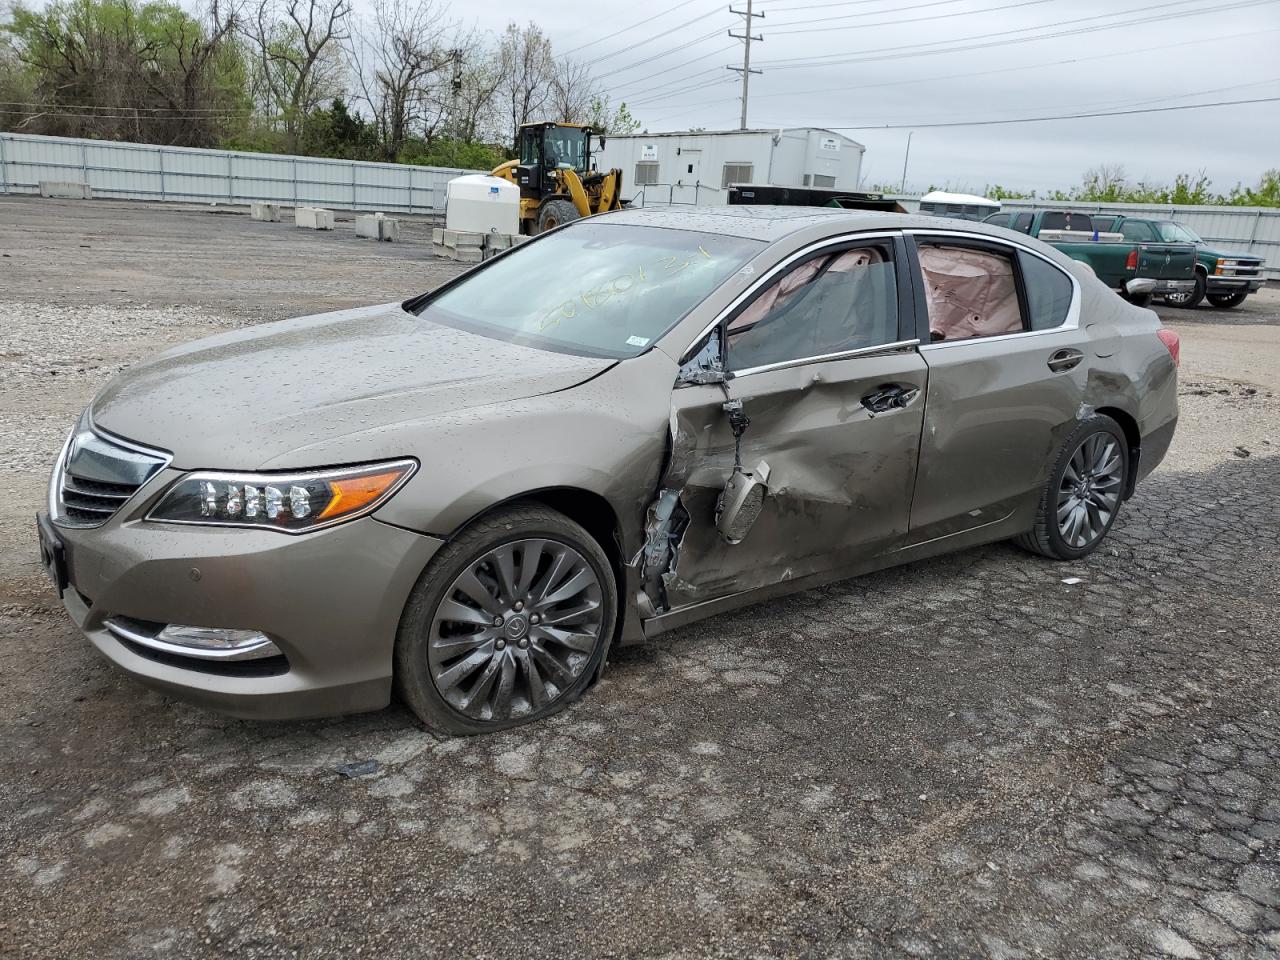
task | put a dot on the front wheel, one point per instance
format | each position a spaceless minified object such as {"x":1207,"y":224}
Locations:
{"x":1082,"y":498}
{"x":1225,"y":301}
{"x":556,"y":212}
{"x":508,"y":624}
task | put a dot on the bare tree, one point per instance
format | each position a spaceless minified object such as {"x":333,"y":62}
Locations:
{"x":474,"y":112}
{"x":573,"y":90}
{"x":298,"y":47}
{"x":405,"y":63}
{"x":527,"y":69}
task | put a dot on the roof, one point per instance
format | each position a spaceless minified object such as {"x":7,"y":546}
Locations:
{"x":773,"y":223}
{"x":758,"y":131}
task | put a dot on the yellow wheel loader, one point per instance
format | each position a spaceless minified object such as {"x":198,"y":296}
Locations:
{"x":556,"y":181}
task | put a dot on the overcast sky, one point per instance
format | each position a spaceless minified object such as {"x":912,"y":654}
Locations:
{"x":1227,"y":52}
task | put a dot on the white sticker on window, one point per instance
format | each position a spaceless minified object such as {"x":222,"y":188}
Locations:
{"x":637,"y":341}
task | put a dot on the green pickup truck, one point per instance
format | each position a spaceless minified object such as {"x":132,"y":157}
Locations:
{"x":1136,"y":270}
{"x":1225,"y":278}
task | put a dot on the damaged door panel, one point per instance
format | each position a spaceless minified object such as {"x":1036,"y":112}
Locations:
{"x":839,"y":476}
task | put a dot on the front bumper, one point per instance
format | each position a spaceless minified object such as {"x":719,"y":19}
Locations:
{"x":1216,"y":283}
{"x":330,"y":600}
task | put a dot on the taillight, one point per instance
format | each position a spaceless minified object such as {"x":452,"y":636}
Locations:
{"x":1173,"y":342}
{"x":1132,"y":262}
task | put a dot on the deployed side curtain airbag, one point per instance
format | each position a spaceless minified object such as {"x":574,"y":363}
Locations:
{"x":971,"y":293}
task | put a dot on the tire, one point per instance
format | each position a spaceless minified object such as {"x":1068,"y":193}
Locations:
{"x":1090,"y":445}
{"x":1188,"y":300}
{"x":556,"y":212}
{"x":1225,"y":301}
{"x":456,"y":657}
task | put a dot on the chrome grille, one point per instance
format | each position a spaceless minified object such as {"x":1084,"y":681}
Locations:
{"x":96,"y":476}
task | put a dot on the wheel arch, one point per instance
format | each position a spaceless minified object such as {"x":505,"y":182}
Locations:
{"x":1133,"y":440}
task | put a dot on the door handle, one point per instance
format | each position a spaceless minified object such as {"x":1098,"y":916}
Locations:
{"x":1064,"y":360}
{"x":890,"y":396}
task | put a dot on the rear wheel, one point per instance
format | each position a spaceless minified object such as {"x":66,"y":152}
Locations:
{"x":1082,"y":498}
{"x":1191,"y":298}
{"x":1225,"y":301}
{"x":509,"y":623}
{"x":556,"y":212}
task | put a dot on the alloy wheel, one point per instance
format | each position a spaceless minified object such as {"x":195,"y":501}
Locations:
{"x":1090,"y":490}
{"x":515,"y":630}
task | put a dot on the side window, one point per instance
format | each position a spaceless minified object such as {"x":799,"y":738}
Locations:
{"x":998,"y":220}
{"x":972,"y":291}
{"x":1137,"y":231}
{"x":1049,"y":292}
{"x":835,"y":301}
{"x":1022,"y":222}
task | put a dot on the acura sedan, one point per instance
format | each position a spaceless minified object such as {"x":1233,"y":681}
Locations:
{"x":630,"y":423}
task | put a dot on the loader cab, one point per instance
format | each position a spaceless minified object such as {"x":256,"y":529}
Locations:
{"x":547,"y":147}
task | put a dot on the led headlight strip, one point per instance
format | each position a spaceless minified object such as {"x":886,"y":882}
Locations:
{"x":288,"y":502}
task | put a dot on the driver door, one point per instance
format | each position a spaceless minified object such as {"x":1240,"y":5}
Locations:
{"x":822,"y":355}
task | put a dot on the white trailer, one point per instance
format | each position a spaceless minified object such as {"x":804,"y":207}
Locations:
{"x":698,"y":167}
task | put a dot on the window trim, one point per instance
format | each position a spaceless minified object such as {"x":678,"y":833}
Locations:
{"x":1072,"y":322}
{"x":906,"y":295}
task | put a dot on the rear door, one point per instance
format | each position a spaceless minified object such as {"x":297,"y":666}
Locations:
{"x":812,"y":348}
{"x":1007,"y":375}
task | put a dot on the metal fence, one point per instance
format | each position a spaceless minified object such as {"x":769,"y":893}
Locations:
{"x":1254,"y":230}
{"x":143,"y":172}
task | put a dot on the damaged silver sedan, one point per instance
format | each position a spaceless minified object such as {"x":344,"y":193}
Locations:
{"x":630,"y":423}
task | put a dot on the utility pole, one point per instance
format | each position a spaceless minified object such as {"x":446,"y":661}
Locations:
{"x":746,"y":38}
{"x":905,"y":160}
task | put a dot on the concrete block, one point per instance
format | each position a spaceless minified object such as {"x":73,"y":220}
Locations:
{"x":369,"y":227}
{"x":463,"y":238}
{"x":519,"y":238}
{"x":313,"y":218}
{"x":266,"y":212}
{"x":467,"y":254}
{"x":497,"y":241}
{"x":388,"y":229}
{"x":66,"y":189}
{"x":437,"y":235}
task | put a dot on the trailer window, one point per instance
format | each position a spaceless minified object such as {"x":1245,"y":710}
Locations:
{"x":646,"y":173}
{"x":735,"y":173}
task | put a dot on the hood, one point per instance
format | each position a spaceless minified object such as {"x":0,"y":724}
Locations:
{"x":238,"y":400}
{"x":1213,"y":250}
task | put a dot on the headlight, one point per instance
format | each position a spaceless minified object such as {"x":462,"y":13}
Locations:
{"x":289,"y":502}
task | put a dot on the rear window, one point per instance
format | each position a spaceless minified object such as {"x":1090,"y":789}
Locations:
{"x":1067,"y":221}
{"x":594,"y":288}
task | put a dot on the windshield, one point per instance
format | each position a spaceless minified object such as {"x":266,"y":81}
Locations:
{"x":566,"y":145}
{"x":593,"y":289}
{"x":1171,"y":232}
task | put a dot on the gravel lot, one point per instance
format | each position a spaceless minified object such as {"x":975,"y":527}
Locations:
{"x":966,"y":757}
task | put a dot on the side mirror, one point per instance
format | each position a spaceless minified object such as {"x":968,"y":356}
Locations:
{"x":741,"y":501}
{"x":705,"y":364}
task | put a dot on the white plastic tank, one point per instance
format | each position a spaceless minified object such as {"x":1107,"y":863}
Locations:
{"x":481,"y":203}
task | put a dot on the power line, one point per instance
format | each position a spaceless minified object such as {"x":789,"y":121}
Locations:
{"x":914,"y":50}
{"x":618,"y":33}
{"x":860,"y":86}
{"x":887,"y":23}
{"x":659,"y":56}
{"x":1064,"y":116}
{"x":659,"y":36}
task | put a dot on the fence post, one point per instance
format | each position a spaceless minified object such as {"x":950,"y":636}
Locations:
{"x":160,"y":156}
{"x":353,"y":185}
{"x":231,"y":192}
{"x":4,"y":167}
{"x":84,"y":163}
